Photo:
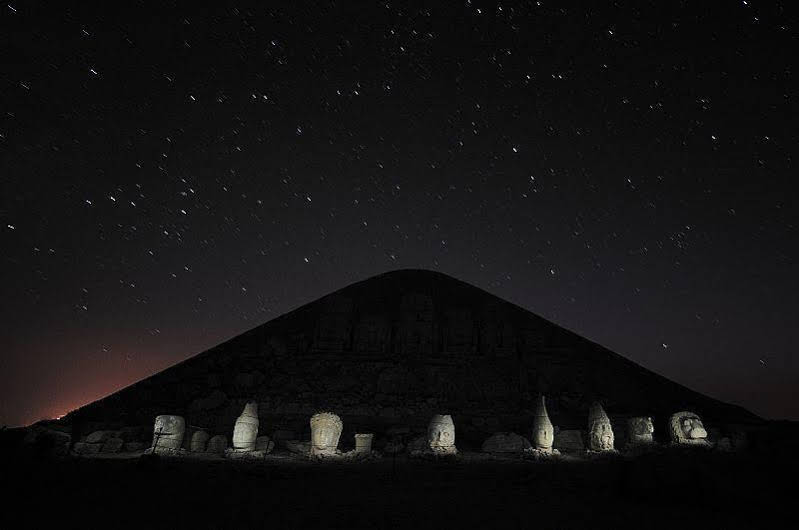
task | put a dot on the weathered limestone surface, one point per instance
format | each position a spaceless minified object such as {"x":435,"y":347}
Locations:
{"x":686,"y":428}
{"x":168,"y":432}
{"x":569,"y":441}
{"x":264,"y":444}
{"x":298,"y":447}
{"x":199,"y":441}
{"x":216,"y":444}
{"x":99,"y":436}
{"x":418,"y":445}
{"x":112,"y":445}
{"x":85,"y":448}
{"x":246,"y":430}
{"x":132,"y":447}
{"x":505,"y":442}
{"x":543,"y":431}
{"x":640,"y":430}
{"x":363,"y":442}
{"x":600,"y":431}
{"x":134,"y":433}
{"x":441,"y":435}
{"x":326,"y":430}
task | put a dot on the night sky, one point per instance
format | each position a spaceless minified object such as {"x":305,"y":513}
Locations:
{"x":171,"y":176}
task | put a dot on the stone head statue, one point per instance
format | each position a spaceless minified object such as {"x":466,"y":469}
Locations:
{"x":687,"y":428}
{"x":326,"y":430}
{"x":168,"y":432}
{"x":245,"y":431}
{"x":543,"y":431}
{"x":641,"y":429}
{"x":441,"y":433}
{"x":600,"y":431}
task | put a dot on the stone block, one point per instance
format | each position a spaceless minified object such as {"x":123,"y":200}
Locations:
{"x":569,"y":441}
{"x":99,"y":436}
{"x":505,"y":442}
{"x":112,"y":445}
{"x":216,"y":444}
{"x":298,"y":447}
{"x":199,"y":440}
{"x":133,"y":447}
{"x":363,"y":442}
{"x":264,"y":444}
{"x":85,"y":448}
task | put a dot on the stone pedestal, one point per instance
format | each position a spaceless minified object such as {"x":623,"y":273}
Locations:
{"x":363,"y":443}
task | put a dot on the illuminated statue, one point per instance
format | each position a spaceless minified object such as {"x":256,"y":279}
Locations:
{"x":363,"y":443}
{"x":168,"y":433}
{"x":543,"y":432}
{"x":246,"y":429}
{"x":600,"y":431}
{"x":640,"y":430}
{"x":326,"y":430}
{"x":441,"y":435}
{"x":687,"y":428}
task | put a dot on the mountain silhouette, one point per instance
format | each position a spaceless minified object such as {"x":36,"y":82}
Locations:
{"x":394,"y":350}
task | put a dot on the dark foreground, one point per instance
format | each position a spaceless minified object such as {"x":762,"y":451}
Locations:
{"x":675,"y":489}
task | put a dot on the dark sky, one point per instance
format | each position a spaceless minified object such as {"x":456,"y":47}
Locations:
{"x":173,"y":175}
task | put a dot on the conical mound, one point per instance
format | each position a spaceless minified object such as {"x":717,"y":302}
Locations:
{"x":394,"y":350}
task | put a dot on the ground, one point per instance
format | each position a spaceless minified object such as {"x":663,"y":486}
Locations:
{"x":674,"y":489}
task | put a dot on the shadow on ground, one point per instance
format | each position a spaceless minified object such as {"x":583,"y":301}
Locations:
{"x":670,"y":488}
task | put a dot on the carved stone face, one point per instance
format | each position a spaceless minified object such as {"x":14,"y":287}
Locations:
{"x":602,"y":436}
{"x":599,"y":428}
{"x":692,"y":428}
{"x":543,"y":436}
{"x":641,"y":429}
{"x":543,"y":431}
{"x":325,"y":432}
{"x":687,"y":428}
{"x":441,"y":432}
{"x":168,"y":431}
